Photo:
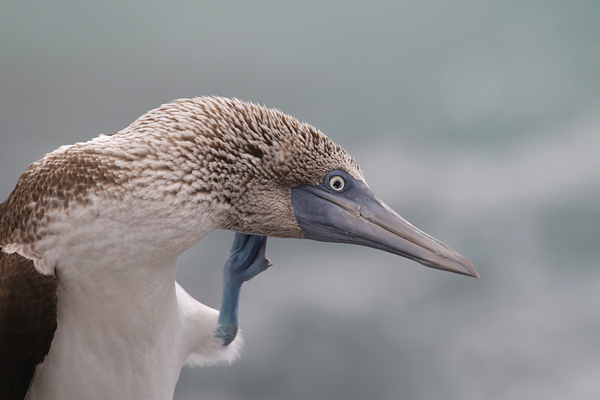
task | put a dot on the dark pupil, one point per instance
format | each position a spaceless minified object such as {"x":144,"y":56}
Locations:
{"x":337,"y":184}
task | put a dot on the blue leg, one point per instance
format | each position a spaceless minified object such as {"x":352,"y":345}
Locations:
{"x":246,"y":260}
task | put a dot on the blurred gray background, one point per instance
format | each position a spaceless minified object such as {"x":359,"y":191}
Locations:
{"x":478,"y":121}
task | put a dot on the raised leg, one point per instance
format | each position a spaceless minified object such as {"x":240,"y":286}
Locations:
{"x":246,"y":260}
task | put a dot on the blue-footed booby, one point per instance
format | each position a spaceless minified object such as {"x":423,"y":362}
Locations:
{"x":90,"y":236}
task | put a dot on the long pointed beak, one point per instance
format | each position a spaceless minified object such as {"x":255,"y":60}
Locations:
{"x":356,"y":216}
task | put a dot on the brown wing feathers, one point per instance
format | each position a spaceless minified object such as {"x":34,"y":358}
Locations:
{"x":27,"y":322}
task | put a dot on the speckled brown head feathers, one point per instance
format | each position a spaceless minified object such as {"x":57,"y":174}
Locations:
{"x":254,"y":156}
{"x":238,"y":159}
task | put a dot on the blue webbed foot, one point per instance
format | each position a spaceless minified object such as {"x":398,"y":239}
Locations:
{"x":246,"y":260}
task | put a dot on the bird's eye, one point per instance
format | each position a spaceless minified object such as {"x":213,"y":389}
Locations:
{"x":337,"y":183}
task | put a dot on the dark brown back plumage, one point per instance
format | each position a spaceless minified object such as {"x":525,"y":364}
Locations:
{"x":27,"y":326}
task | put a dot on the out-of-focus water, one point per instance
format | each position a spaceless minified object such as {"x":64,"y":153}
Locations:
{"x":477,"y":121}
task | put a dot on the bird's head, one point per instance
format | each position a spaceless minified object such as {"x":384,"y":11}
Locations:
{"x":271,"y":175}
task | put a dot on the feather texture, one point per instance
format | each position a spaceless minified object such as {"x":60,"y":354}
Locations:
{"x":91,"y":234}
